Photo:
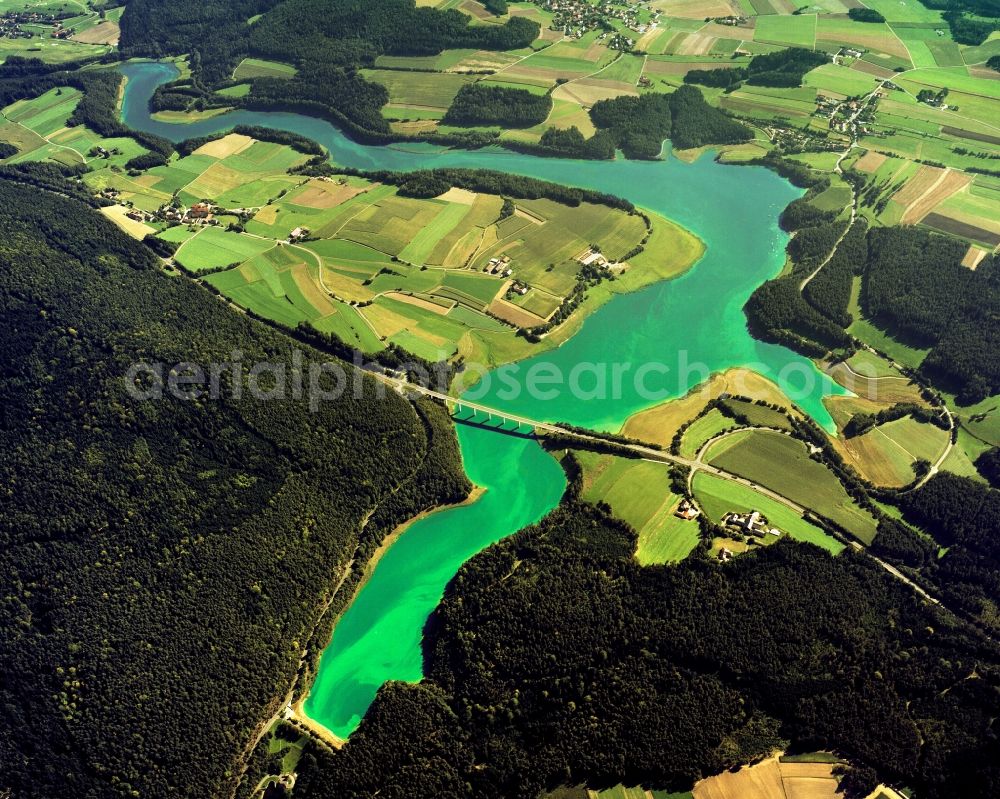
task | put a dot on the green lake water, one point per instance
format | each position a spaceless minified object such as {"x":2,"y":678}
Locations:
{"x":677,"y":331}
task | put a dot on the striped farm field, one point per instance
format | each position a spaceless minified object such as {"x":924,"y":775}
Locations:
{"x":870,"y":36}
{"x":928,"y":187}
{"x":213,"y":247}
{"x":259,"y":68}
{"x":783,"y":465}
{"x":418,"y":89}
{"x":704,"y":429}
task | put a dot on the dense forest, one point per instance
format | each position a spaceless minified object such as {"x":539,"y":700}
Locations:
{"x":164,"y":561}
{"x":957,"y":551}
{"x":478,"y":104}
{"x":639,"y":125}
{"x":784,"y":68}
{"x":913,"y":285}
{"x":327,"y":40}
{"x":555,"y":658}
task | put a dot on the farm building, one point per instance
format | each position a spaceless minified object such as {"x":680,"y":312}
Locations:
{"x":687,"y":510}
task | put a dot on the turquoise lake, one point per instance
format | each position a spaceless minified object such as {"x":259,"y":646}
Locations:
{"x":687,"y":328}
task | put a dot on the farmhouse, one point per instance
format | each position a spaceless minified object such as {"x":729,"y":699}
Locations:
{"x":752,"y":523}
{"x":298,"y":234}
{"x":200,"y":211}
{"x":593,"y":257}
{"x":687,"y":510}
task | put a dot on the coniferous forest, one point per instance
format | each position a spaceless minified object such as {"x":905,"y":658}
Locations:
{"x":556,"y":659}
{"x":164,"y":563}
{"x":913,"y":285}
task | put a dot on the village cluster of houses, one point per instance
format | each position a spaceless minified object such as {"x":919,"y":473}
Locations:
{"x":848,"y":116}
{"x":577,"y":17}
{"x":13,"y":25}
{"x":10,"y":27}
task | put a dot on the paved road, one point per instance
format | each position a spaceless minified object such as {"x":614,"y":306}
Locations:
{"x":648,"y":453}
{"x":854,"y":194}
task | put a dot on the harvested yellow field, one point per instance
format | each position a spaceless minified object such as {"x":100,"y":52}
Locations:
{"x":322,"y":194}
{"x":918,"y":185}
{"x":414,"y":127}
{"x":658,"y":424}
{"x":136,"y":229}
{"x":226,"y":146}
{"x":762,"y":781}
{"x":267,"y":215}
{"x":457,"y":195}
{"x":696,"y":44}
{"x":346,"y":288}
{"x":590,"y":90}
{"x":216,"y":180}
{"x":772,"y":780}
{"x":311,"y":290}
{"x":419,"y":302}
{"x":515,"y":315}
{"x":646,"y":40}
{"x":870,"y":161}
{"x":386,"y":323}
{"x":106,"y":32}
{"x":973,"y":256}
{"x":946,"y":185}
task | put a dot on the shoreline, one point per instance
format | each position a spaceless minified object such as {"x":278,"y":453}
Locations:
{"x":600,"y":295}
{"x":297,"y":706}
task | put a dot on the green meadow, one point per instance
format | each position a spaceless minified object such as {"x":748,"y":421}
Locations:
{"x":639,"y":493}
{"x":783,"y":465}
{"x":718,"y":496}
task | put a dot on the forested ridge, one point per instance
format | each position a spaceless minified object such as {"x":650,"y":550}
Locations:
{"x":956,"y":550}
{"x":327,"y":40}
{"x":913,"y":285}
{"x":163,"y":562}
{"x":555,"y":658}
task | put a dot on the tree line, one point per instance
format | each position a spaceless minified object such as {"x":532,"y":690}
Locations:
{"x":784,"y":68}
